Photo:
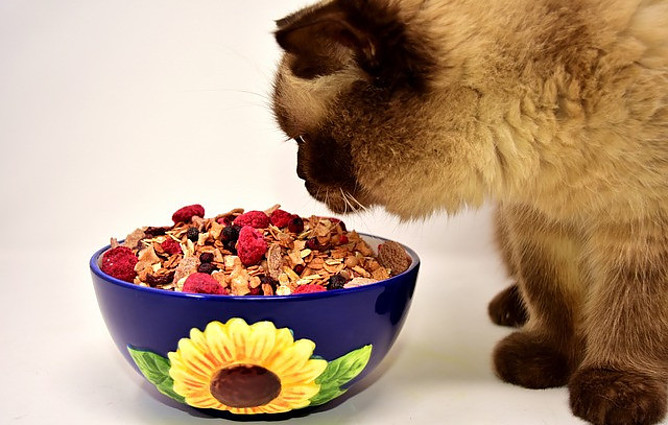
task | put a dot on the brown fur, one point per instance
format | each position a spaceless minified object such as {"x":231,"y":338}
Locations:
{"x":554,"y":109}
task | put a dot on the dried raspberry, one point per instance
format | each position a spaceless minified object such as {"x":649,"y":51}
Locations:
{"x":280,"y":218}
{"x":255,"y":291}
{"x":309,"y":288}
{"x":186,"y":213}
{"x":257,"y":219}
{"x":343,"y":239}
{"x":296,"y":224}
{"x":202,"y":283}
{"x":171,"y":247}
{"x":120,"y":263}
{"x":251,"y":246}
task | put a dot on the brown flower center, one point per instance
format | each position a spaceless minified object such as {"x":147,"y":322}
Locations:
{"x":245,"y":386}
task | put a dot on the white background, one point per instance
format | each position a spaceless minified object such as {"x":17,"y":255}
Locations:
{"x":113,"y":114}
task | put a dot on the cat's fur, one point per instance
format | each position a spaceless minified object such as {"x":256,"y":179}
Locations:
{"x":554,"y":109}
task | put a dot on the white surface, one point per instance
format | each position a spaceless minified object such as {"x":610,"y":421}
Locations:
{"x":115,"y":113}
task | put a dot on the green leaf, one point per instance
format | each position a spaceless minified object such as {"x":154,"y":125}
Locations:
{"x":156,"y":370}
{"x":339,"y":372}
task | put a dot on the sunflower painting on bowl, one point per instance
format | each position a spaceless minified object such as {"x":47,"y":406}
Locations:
{"x":249,"y":369}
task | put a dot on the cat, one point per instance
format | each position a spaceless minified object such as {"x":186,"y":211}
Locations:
{"x":554,"y":110}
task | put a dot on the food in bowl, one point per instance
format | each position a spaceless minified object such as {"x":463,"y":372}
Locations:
{"x":269,"y":252}
{"x":255,"y":355}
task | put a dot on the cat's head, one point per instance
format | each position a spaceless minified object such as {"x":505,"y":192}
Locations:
{"x":355,"y":90}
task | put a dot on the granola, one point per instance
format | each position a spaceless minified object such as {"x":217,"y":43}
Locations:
{"x":269,"y":252}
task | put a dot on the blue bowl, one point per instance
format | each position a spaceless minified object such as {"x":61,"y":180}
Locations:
{"x":255,"y":355}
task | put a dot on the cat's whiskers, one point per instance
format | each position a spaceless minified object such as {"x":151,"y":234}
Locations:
{"x":358,"y":205}
{"x":346,"y":201}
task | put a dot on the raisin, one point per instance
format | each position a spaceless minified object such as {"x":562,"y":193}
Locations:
{"x":192,"y":234}
{"x":336,"y":282}
{"x":207,"y":268}
{"x":160,"y":279}
{"x":296,"y":224}
{"x":152,"y":231}
{"x":230,"y":233}
{"x":206,"y":257}
{"x":231,"y":246}
{"x":299,"y":268}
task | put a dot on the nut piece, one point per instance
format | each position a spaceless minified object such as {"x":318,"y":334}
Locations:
{"x":274,"y":260}
{"x":393,"y":256}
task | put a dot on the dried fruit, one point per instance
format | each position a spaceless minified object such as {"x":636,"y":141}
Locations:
{"x":280,"y":218}
{"x":202,"y":283}
{"x":186,"y":213}
{"x":160,"y":279}
{"x":120,"y":262}
{"x":296,"y":224}
{"x":251,"y":246}
{"x":230,"y":233}
{"x":171,"y":247}
{"x":309,"y":288}
{"x":393,"y":256}
{"x":256,"y":219}
{"x":336,"y":282}
{"x":313,"y":253}
{"x":206,"y":257}
{"x":207,"y":268}
{"x":192,"y":234}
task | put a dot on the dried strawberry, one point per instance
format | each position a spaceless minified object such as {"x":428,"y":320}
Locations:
{"x":251,"y":246}
{"x":280,"y":218}
{"x":186,"y":213}
{"x":202,"y":283}
{"x":171,"y":247}
{"x":256,"y":219}
{"x":120,"y":263}
{"x":309,"y":288}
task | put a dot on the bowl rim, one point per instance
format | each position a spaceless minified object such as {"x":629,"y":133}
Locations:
{"x":95,"y":269}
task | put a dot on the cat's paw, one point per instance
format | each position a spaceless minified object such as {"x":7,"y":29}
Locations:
{"x":507,"y":308}
{"x":527,"y":360}
{"x":609,"y":397}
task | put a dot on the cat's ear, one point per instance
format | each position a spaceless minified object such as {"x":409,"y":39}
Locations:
{"x":323,"y":39}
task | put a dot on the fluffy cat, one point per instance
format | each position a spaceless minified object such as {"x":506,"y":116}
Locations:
{"x":553,"y":109}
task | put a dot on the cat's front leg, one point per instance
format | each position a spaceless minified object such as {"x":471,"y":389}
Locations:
{"x":624,"y":377}
{"x":547,"y":349}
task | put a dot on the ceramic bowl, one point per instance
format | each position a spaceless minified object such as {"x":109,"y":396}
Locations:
{"x":240,"y":355}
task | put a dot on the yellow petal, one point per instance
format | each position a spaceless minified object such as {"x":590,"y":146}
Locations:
{"x":305,"y":374}
{"x":179,"y":368}
{"x":260,"y":343}
{"x":194,"y":358}
{"x":238,"y":332}
{"x":298,"y":394}
{"x":293,"y":358}
{"x":221,"y":346}
{"x":283,"y":341}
